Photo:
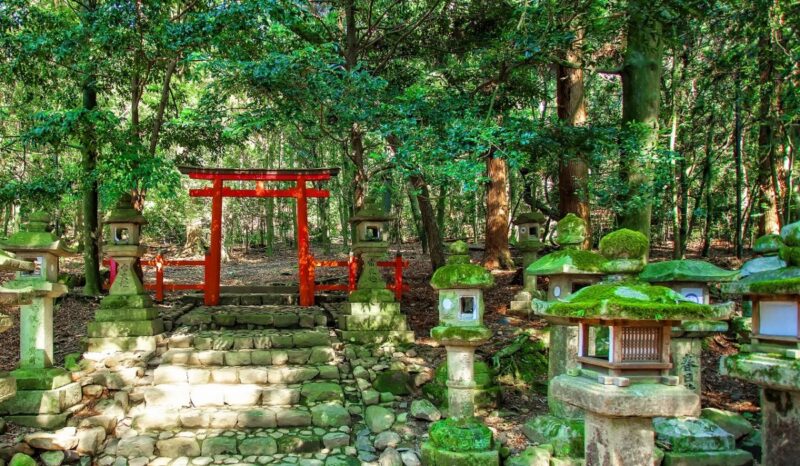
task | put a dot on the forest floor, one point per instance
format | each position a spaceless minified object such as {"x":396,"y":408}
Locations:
{"x":519,"y":401}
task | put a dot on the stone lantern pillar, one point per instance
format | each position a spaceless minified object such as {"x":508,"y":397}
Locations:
{"x":126,"y":320}
{"x":771,"y":359}
{"x":44,"y":392}
{"x":461,"y":439}
{"x":11,"y":297}
{"x":692,"y":279}
{"x":621,"y":387}
{"x":372,"y":315}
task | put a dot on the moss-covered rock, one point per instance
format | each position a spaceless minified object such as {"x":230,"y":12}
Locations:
{"x":790,"y":234}
{"x":629,"y":300}
{"x":779,"y":281}
{"x":573,"y":261}
{"x":790,"y":255}
{"x":686,"y":270}
{"x":396,"y":382}
{"x":571,"y":231}
{"x":768,"y":244}
{"x":625,"y":244}
{"x":461,"y":435}
{"x":566,"y":436}
{"x":529,"y":217}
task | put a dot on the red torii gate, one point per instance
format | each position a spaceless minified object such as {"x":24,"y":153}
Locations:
{"x":300,"y":192}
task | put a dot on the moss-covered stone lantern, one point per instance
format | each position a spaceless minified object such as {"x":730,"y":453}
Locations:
{"x":11,"y":297}
{"x":38,"y":381}
{"x":622,"y":385}
{"x":126,"y":320}
{"x":461,"y":439}
{"x":692,"y":279}
{"x":371,"y":314}
{"x":772,"y":359}
{"x":530,"y":233}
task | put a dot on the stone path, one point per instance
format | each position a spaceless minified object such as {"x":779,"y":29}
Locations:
{"x":241,"y":385}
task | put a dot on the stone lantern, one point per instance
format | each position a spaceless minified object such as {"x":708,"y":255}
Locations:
{"x":621,"y":387}
{"x":461,"y":439}
{"x":372,"y":315}
{"x":568,"y":270}
{"x":11,"y":297}
{"x":529,"y":241}
{"x":771,"y":359}
{"x":126,"y":320}
{"x":692,"y":279}
{"x":44,"y":392}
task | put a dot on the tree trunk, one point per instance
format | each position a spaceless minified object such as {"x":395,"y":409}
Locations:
{"x":497,"y":253}
{"x":641,"y":78}
{"x":428,"y":221}
{"x":737,"y":156}
{"x":441,"y":208}
{"x":90,"y":204}
{"x":573,"y":171}
{"x":767,"y":196}
{"x":417,"y":217}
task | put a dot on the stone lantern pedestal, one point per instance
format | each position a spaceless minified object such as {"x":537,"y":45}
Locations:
{"x":371,"y":314}
{"x":772,"y":359}
{"x":44,"y":392}
{"x":127,"y":319}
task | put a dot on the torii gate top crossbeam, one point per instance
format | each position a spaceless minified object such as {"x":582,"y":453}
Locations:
{"x":259,"y":174}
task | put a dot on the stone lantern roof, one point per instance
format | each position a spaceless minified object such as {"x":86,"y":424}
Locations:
{"x":371,"y":212}
{"x":768,"y":246}
{"x":628,"y":300}
{"x":124,"y":212}
{"x":529,"y":217}
{"x":10,"y":263}
{"x":784,"y":280}
{"x":571,"y":232}
{"x":35,"y":237}
{"x":459,"y":272}
{"x":686,"y":270}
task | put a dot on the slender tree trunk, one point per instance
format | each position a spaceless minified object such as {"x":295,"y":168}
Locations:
{"x":641,"y":78}
{"x":767,"y":195}
{"x":441,"y":208}
{"x":573,"y":170}
{"x":417,"y":217}
{"x":708,"y":173}
{"x":497,"y":253}
{"x":737,"y":157}
{"x":90,"y":204}
{"x":435,"y":246}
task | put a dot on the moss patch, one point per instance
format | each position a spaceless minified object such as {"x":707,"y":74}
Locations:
{"x":686,"y":270}
{"x":779,"y":281}
{"x":629,"y":300}
{"x":460,"y":333}
{"x":461,"y":276}
{"x":571,"y":230}
{"x":567,"y":261}
{"x":790,"y":234}
{"x":768,"y":244}
{"x":461,"y":435}
{"x":529,"y":217}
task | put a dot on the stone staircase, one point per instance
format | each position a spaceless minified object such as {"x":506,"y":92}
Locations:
{"x":244,"y":385}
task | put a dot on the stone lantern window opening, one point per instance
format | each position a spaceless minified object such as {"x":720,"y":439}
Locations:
{"x":776,"y":320}
{"x":577,"y":286}
{"x":38,"y":271}
{"x":469,"y":308}
{"x":528,"y":231}
{"x":694,"y":294}
{"x":372,"y":232}
{"x":121,"y":235}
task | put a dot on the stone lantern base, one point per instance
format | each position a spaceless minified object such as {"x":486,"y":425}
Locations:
{"x":125,"y":323}
{"x":43,"y":398}
{"x":460,"y":442}
{"x":374,"y":323}
{"x":619,"y":420}
{"x":779,"y":380}
{"x":686,"y":350}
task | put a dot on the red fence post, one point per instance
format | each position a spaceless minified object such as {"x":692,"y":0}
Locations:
{"x":159,"y":262}
{"x":398,"y":277}
{"x":352,"y":272}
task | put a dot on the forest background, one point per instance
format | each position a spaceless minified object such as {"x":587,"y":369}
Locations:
{"x":679,"y":118}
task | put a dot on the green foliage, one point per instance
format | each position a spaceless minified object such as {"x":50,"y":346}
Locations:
{"x":522,"y":362}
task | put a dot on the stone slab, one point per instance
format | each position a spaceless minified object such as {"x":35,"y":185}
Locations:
{"x":40,"y":421}
{"x":41,"y":379}
{"x":126,"y":314}
{"x":763,"y":370}
{"x":639,"y":400}
{"x":8,"y":386}
{"x":366,"y":337}
{"x":692,"y":434}
{"x":708,"y":458}
{"x":43,"y":401}
{"x":123,"y":344}
{"x":137,"y":328}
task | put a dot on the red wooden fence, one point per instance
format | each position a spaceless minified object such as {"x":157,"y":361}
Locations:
{"x":398,"y":264}
{"x":160,"y":264}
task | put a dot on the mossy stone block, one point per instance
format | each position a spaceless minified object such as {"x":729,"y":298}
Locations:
{"x":258,"y":446}
{"x":21,"y":459}
{"x":40,"y":421}
{"x":708,"y":458}
{"x":300,"y":443}
{"x":396,"y":382}
{"x":120,"y":301}
{"x":48,"y":378}
{"x":733,"y":423}
{"x":565,"y":435}
{"x":126,"y":328}
{"x":461,"y":435}
{"x":219,"y":446}
{"x":435,"y":456}
{"x":531,"y":456}
{"x":624,"y":244}
{"x":330,"y":415}
{"x":692,"y":435}
{"x":126,"y":314}
{"x":317,"y":392}
{"x":42,"y":401}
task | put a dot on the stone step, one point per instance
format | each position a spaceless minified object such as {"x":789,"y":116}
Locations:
{"x":246,"y":357}
{"x":280,"y":317}
{"x":323,"y":415}
{"x":290,"y":374}
{"x":224,"y":340}
{"x":247,"y":442}
{"x":222,"y":394}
